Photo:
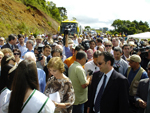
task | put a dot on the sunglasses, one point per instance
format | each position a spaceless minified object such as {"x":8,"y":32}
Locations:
{"x":107,"y":45}
{"x":100,"y":63}
{"x":16,"y":53}
{"x":148,"y":69}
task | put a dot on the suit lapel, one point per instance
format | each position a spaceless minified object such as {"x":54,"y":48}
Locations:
{"x":145,"y":85}
{"x":110,"y":82}
{"x":99,"y":78}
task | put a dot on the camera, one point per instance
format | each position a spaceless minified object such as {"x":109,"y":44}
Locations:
{"x":90,"y":72}
{"x":141,"y":49}
{"x":67,"y":31}
{"x":39,"y":49}
{"x":86,"y":44}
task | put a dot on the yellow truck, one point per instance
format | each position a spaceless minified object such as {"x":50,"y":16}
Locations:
{"x":75,"y":28}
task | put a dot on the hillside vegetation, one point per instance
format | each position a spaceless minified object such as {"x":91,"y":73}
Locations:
{"x":15,"y":17}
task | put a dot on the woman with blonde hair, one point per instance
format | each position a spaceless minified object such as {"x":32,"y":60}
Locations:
{"x":25,"y":97}
{"x":60,"y":85}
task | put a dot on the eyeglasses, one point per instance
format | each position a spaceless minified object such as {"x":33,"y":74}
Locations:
{"x":16,"y":53}
{"x":107,"y":45}
{"x":100,"y":63}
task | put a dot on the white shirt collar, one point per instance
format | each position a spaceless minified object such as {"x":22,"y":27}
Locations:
{"x":109,"y":73}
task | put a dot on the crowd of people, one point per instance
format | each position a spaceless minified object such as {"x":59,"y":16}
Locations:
{"x":98,"y":73}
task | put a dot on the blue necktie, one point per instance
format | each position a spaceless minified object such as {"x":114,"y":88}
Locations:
{"x":12,"y":47}
{"x":148,"y":100}
{"x":98,"y":98}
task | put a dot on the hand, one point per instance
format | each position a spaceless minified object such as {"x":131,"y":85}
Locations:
{"x":89,"y":77}
{"x":139,"y":52}
{"x":142,"y":104}
{"x":88,"y":110}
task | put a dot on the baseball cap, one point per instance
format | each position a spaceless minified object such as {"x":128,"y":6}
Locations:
{"x":60,"y":37}
{"x":135,"y":58}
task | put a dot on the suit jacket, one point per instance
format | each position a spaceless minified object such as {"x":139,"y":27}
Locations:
{"x":115,"y":96}
{"x":123,"y":57}
{"x":8,"y":46}
{"x":142,"y":93}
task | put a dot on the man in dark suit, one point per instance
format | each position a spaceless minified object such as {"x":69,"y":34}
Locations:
{"x":109,"y":89}
{"x":142,"y":92}
{"x":12,"y":39}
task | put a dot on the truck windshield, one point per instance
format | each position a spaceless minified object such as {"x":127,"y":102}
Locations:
{"x":73,"y":30}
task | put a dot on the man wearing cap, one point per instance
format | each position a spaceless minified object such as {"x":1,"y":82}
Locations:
{"x":142,"y":94}
{"x":134,"y":74}
{"x":39,"y":40}
{"x":60,"y":38}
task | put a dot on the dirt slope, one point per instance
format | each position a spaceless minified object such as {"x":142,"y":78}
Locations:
{"x":17,"y":18}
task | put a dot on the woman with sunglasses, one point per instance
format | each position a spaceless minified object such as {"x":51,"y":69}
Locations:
{"x":25,"y":97}
{"x":17,"y":55}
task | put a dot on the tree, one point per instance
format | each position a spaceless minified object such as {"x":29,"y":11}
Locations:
{"x":74,"y":18}
{"x":117,"y":23}
{"x":146,"y":23}
{"x":143,"y":28}
{"x":63,"y":13}
{"x":136,"y":24}
{"x":132,"y":30}
{"x":87,"y":27}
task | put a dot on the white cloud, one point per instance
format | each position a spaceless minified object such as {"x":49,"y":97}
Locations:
{"x":98,"y":13}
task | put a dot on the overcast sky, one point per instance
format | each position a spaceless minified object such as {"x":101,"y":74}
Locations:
{"x":102,"y":13}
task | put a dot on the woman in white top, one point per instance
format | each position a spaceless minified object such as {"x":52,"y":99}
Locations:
{"x":25,"y":97}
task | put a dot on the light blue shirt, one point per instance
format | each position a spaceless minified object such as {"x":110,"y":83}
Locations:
{"x":22,"y":49}
{"x":42,"y":79}
{"x":101,"y":82}
{"x":25,"y":40}
{"x":26,"y":52}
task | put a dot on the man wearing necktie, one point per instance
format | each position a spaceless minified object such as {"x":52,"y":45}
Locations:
{"x":11,"y":44}
{"x":109,"y":89}
{"x":143,"y":94}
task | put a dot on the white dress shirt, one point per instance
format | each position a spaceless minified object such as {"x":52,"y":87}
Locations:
{"x":100,"y":84}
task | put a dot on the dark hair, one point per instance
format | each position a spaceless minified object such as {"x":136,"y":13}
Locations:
{"x":79,"y":47}
{"x":56,"y":50}
{"x":125,"y":45}
{"x":80,"y":55}
{"x":118,"y":49}
{"x":17,"y":51}
{"x":46,"y":46}
{"x":20,"y":35}
{"x":99,"y":40}
{"x":6,"y":77}
{"x":6,"y":59}
{"x":28,"y":79}
{"x":11,"y":37}
{"x":108,"y":57}
{"x":92,"y":41}
{"x":96,"y":54}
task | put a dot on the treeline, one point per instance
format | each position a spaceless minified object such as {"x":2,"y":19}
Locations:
{"x":126,"y":26}
{"x":58,"y":13}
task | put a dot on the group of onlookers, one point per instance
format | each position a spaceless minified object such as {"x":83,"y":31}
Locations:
{"x":71,"y":74}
